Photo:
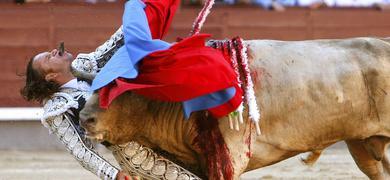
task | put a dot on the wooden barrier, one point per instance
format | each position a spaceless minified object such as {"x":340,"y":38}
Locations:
{"x":21,"y":114}
{"x":26,"y":30}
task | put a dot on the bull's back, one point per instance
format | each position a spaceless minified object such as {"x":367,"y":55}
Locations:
{"x":321,"y":90}
{"x":387,"y":39}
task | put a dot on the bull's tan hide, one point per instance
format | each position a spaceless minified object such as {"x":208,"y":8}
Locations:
{"x":311,"y":95}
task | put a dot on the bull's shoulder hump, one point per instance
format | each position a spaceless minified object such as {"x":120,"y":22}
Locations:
{"x":292,"y":46}
{"x":268,"y":42}
{"x":386,"y":39}
{"x":359,"y":44}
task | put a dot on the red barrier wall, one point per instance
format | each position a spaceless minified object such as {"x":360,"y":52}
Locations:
{"x":28,"y":29}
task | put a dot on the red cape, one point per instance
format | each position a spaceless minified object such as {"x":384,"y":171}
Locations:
{"x":186,"y":70}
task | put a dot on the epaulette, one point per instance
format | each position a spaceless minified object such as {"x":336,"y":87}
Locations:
{"x":59,"y":103}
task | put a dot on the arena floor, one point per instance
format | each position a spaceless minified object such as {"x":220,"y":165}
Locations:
{"x":335,"y":163}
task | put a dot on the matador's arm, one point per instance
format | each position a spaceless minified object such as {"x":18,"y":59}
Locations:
{"x":58,"y":119}
{"x":88,"y":65}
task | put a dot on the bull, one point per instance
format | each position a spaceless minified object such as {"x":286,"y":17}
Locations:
{"x":312,"y":94}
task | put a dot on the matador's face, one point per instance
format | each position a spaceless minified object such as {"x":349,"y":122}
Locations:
{"x":52,"y":62}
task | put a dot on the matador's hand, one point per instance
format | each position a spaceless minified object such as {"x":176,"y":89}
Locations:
{"x":84,"y":66}
{"x":123,"y":176}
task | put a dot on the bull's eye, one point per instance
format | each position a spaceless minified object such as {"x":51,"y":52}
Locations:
{"x":90,"y":121}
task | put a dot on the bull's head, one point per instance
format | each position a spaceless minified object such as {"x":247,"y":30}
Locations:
{"x":88,"y":119}
{"x":116,"y":124}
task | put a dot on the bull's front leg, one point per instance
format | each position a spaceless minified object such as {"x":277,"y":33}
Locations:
{"x":239,"y":144}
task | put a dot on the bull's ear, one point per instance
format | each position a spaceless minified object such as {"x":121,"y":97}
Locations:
{"x":51,"y":76}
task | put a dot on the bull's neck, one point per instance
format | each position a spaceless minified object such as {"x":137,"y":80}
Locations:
{"x":166,"y":128}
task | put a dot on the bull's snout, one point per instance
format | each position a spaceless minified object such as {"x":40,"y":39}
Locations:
{"x":88,"y":118}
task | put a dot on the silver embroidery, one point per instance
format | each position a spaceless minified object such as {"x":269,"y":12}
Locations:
{"x":58,"y":104}
{"x":142,"y":161}
{"x":60,"y":124}
{"x":88,"y":65}
{"x":133,"y":158}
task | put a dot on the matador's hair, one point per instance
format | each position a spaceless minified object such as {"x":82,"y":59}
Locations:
{"x":37,"y":88}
